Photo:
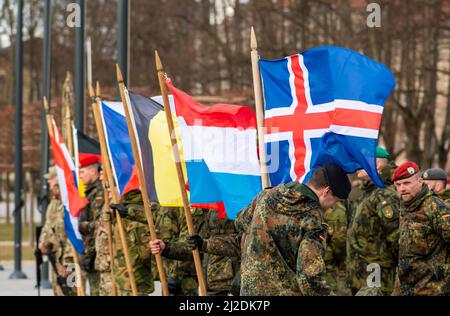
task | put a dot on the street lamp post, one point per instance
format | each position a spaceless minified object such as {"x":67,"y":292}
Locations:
{"x":18,"y":274}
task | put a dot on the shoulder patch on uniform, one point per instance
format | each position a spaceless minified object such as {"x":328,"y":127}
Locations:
{"x":328,"y":228}
{"x":387,"y":212}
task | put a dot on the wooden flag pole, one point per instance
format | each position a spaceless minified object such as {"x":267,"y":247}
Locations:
{"x":114,"y":193}
{"x":80,"y":282}
{"x":140,"y":172}
{"x":259,"y":110}
{"x":176,"y":156}
{"x":106,"y":207}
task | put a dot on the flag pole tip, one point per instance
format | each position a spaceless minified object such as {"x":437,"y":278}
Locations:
{"x":119,"y":74}
{"x":97,"y":89}
{"x":46,"y":105}
{"x":91,"y":90}
{"x":253,"y":41}
{"x":159,"y":66}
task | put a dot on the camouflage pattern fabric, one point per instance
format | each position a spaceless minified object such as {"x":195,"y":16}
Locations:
{"x":88,"y":220}
{"x":424,"y":255}
{"x":53,"y":236}
{"x":105,"y":284}
{"x":102,"y":258}
{"x":284,"y":244}
{"x":219,"y":270}
{"x":369,"y":291}
{"x":181,"y":276}
{"x":138,"y":238}
{"x":445,"y":196}
{"x":373,"y":235}
{"x":335,"y":255}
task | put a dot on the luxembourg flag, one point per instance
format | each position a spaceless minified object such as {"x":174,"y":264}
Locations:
{"x":72,"y":201}
{"x":219,"y":148}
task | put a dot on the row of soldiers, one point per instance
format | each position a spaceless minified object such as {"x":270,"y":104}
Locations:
{"x":220,"y":271}
{"x":318,"y":238}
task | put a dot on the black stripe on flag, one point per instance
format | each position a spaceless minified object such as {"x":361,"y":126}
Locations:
{"x":144,"y":110}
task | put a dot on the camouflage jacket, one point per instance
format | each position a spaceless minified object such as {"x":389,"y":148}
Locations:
{"x":424,"y":256}
{"x":284,"y":244}
{"x":102,"y":258}
{"x":335,"y":255}
{"x":87,"y":222}
{"x":373,"y":236}
{"x":445,"y":196}
{"x":169,"y":224}
{"x":138,"y":238}
{"x":54,"y":233}
{"x":219,"y":270}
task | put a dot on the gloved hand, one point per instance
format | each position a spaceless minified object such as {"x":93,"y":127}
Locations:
{"x":195,"y":242}
{"x":121,"y":209}
{"x":87,"y":262}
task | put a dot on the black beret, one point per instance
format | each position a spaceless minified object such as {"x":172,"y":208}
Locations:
{"x":338,"y":180}
{"x":435,"y":174}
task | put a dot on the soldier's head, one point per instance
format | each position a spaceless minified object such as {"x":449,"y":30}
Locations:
{"x":52,"y":182}
{"x":331,"y":184}
{"x":89,"y":169}
{"x":407,"y":181}
{"x":382,"y":161}
{"x":435,"y":179}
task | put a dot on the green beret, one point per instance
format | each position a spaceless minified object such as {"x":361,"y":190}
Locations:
{"x":382,"y":153}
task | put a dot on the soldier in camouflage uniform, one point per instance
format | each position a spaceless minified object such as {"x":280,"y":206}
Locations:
{"x":90,"y":218}
{"x":335,"y":255}
{"x":424,"y":242}
{"x":283,"y":236}
{"x":53,"y":238}
{"x":102,"y":258}
{"x":373,"y":235}
{"x":436,"y":180}
{"x":181,"y":276}
{"x":131,"y":209}
{"x":220,"y":266}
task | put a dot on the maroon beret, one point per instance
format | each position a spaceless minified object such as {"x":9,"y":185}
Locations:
{"x":88,"y":159}
{"x":405,"y":170}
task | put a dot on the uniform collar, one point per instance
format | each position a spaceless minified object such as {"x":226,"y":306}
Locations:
{"x":91,"y":186}
{"x":415,"y":203}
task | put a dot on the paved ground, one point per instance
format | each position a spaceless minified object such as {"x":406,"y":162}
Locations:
{"x":26,"y":287}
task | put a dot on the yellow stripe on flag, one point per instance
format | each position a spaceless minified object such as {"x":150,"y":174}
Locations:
{"x":81,"y":187}
{"x":166,"y":178}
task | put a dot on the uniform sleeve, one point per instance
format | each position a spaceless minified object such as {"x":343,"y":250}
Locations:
{"x":441,"y":220}
{"x":310,"y":260}
{"x":83,"y":221}
{"x":178,"y":250}
{"x":390,"y":214}
{"x":224,"y":246}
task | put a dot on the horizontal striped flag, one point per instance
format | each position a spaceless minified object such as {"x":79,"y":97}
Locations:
{"x":219,"y":147}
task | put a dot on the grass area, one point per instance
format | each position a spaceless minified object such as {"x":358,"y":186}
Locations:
{"x":7,"y":253}
{"x":7,"y":232}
